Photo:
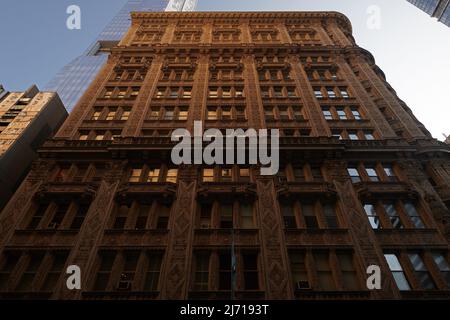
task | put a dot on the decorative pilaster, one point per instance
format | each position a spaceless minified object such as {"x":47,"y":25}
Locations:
{"x":273,"y":249}
{"x":176,"y":277}
{"x":311,"y":106}
{"x":384,"y":130}
{"x":197,"y":108}
{"x":141,"y":105}
{"x":255,"y":108}
{"x":84,"y":250}
{"x":408,"y":123}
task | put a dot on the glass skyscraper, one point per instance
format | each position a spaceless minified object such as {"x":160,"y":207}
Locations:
{"x":74,"y":78}
{"x":439,"y":9}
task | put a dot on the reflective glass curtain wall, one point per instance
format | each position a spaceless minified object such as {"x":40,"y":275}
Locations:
{"x":439,"y":9}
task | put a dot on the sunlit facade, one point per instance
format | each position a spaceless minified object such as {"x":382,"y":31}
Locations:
{"x":74,"y":78}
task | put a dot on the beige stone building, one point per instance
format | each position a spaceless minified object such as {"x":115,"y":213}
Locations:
{"x":26,"y":120}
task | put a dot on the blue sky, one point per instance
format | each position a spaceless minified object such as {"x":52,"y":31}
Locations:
{"x":411,"y":48}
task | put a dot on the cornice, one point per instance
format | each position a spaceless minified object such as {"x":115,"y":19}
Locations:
{"x":251,"y":15}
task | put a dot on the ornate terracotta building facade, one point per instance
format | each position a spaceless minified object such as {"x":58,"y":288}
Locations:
{"x":361,"y":182}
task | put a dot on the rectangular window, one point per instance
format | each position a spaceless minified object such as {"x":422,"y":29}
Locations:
{"x":153,"y":271}
{"x":226,"y":175}
{"x":111,"y":115}
{"x":289,"y":216}
{"x":299,"y":174}
{"x":169,"y":113}
{"x":291,"y":92}
{"x":414,"y":215}
{"x":330,"y":216}
{"x":173,"y":93}
{"x":251,"y":281}
{"x":246,"y":212}
{"x":122,"y":93}
{"x":96,"y":115}
{"x":104,"y":272}
{"x":374,"y":220}
{"x":344,"y":93}
{"x":284,"y":113}
{"x":318,"y":93}
{"x":183,"y":113}
{"x":172,"y":175}
{"x":187,"y":93}
{"x":34,"y":262}
{"x":443,"y":266}
{"x":397,"y":272}
{"x":212,"y":114}
{"x":58,"y":262}
{"x":127,"y":276}
{"x":341,"y":114}
{"x":153,"y":175}
{"x":205,"y":215}
{"x":244,"y":175}
{"x":421,"y":272}
{"x":155,"y":113}
{"x":7,"y":266}
{"x":327,"y":113}
{"x":80,"y":215}
{"x":121,"y":216}
{"x":390,"y":174}
{"x":310,"y":216}
{"x":226,"y":216}
{"x":299,"y":271}
{"x":58,"y":216}
{"x":353,"y":135}
{"x":238,"y":92}
{"x":226,"y":113}
{"x":125,"y":115}
{"x":369,"y":135}
{"x":135,"y":175}
{"x":372,"y":174}
{"x":354,"y":174}
{"x":162,"y":222}
{"x":201,"y":271}
{"x":394,"y":217}
{"x":349,"y":278}
{"x":226,"y":93}
{"x":143,"y":213}
{"x":161,"y":93}
{"x":331,"y":94}
{"x":269,"y":113}
{"x":325,"y":280}
{"x":208,"y":175}
{"x":225,"y":271}
{"x":298,"y":114}
{"x":356,"y":114}
{"x":37,"y":216}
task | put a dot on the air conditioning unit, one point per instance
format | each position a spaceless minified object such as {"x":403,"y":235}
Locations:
{"x":303,"y":285}
{"x":124,"y":285}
